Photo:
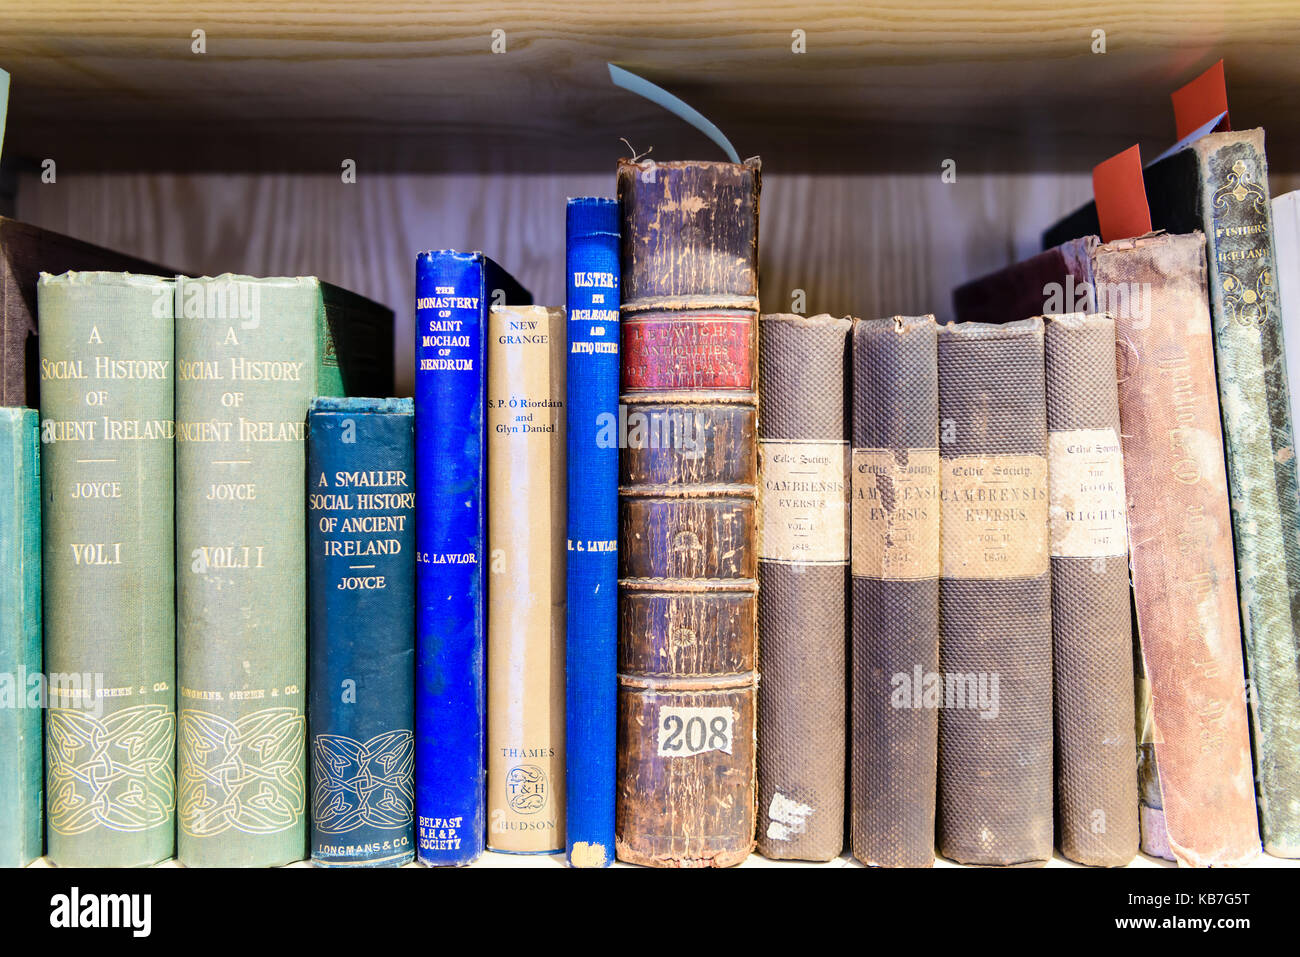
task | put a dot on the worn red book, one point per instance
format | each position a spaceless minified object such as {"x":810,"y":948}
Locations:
{"x":1192,"y":702}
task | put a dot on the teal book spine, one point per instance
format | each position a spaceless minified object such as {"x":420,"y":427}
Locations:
{"x":106,"y":368}
{"x":21,"y":683}
{"x":361,"y":579}
{"x":251,"y":354}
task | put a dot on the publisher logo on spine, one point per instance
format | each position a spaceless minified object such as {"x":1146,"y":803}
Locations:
{"x":527,"y":789}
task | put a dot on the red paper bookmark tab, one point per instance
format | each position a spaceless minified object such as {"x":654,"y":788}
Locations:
{"x":1121,"y":196}
{"x":1201,"y":101}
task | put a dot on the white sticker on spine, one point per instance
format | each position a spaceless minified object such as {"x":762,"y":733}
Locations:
{"x":787,"y":819}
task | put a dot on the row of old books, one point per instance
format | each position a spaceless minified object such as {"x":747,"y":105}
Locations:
{"x":155,"y":596}
{"x":1103,"y":438}
{"x":522,"y":611}
{"x":218,"y":560}
{"x":210,"y":597}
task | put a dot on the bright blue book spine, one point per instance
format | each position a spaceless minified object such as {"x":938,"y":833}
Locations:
{"x":361,"y":580}
{"x":592,"y":645}
{"x":21,"y":681}
{"x":450,"y":350}
{"x":452,"y":293}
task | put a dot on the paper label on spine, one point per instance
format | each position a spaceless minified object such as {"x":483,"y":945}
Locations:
{"x":995,"y":511}
{"x":804,"y":502}
{"x":1086,"y":472}
{"x":689,"y":351}
{"x":896,"y":514}
{"x":686,"y":732}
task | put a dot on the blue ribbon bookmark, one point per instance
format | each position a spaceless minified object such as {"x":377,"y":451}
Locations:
{"x":660,"y":96}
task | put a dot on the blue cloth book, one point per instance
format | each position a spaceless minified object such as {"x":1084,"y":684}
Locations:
{"x":361,"y":639}
{"x":22,"y":687}
{"x":453,"y":291}
{"x":592,"y":646}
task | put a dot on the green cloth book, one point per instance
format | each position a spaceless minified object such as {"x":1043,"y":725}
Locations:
{"x":106,"y":368}
{"x":251,"y":354}
{"x":21,"y":687}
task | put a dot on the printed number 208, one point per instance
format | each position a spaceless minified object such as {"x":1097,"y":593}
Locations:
{"x":692,"y":735}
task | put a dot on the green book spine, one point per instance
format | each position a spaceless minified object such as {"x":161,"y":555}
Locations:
{"x":20,"y":639}
{"x":1256,"y":405}
{"x":250,"y":356}
{"x":110,"y":630}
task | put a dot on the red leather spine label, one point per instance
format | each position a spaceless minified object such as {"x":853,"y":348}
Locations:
{"x":695,"y":351}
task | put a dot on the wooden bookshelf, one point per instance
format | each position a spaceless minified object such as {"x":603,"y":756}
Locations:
{"x":1011,"y":86}
{"x":494,"y":861}
{"x":229,"y":160}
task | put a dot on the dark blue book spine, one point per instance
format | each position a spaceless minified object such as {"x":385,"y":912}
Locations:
{"x":450,"y":321}
{"x":361,"y":580}
{"x":592,"y":645}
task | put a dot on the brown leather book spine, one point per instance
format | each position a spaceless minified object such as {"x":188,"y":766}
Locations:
{"x":526,"y":507}
{"x":895,"y":515}
{"x":688,"y":562}
{"x":1092,"y":637}
{"x":1180,"y":541}
{"x":995,"y":644}
{"x":803,"y":558}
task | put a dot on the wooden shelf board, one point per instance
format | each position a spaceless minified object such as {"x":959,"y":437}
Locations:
{"x":495,"y":861}
{"x":403,"y":86}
